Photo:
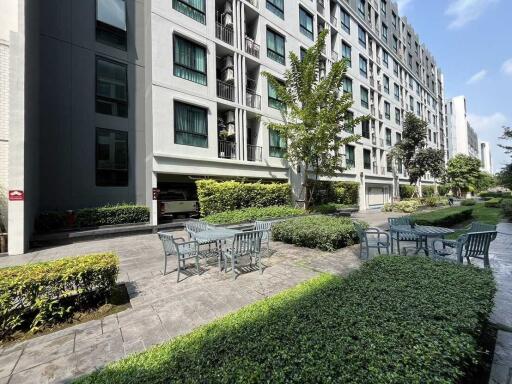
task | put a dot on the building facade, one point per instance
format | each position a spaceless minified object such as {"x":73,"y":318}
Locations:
{"x":135,"y":95}
{"x":486,"y":158}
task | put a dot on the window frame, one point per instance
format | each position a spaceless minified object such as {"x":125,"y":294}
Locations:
{"x":110,"y":99}
{"x":97,"y":169}
{"x":187,"y":68}
{"x":269,"y":4}
{"x":277,"y":54}
{"x":194,"y":9}
{"x":306,"y":32}
{"x":365,"y":103}
{"x":175,"y":130}
{"x":109,"y":29}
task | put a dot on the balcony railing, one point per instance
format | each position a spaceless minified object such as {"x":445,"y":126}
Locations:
{"x":334,"y":55}
{"x":252,"y":99}
{"x":251,"y":47}
{"x":334,"y":21}
{"x":254,"y":153}
{"x":224,"y":33}
{"x":225,"y":90}
{"x":227,"y":149}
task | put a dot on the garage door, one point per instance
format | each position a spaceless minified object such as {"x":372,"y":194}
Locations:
{"x":375,"y":196}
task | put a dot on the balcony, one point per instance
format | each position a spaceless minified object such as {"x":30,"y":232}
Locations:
{"x":225,"y":90}
{"x":227,"y":149}
{"x":334,"y":56}
{"x":334,"y":21}
{"x":254,"y":153}
{"x":224,"y":33}
{"x":251,"y":47}
{"x":252,"y":99}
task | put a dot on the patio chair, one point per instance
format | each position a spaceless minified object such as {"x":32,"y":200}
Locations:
{"x":183,"y":250}
{"x":193,"y":227}
{"x":371,"y":238}
{"x":244,"y":244}
{"x":477,"y":226}
{"x":266,"y":228}
{"x":397,"y":236}
{"x":470,"y":245}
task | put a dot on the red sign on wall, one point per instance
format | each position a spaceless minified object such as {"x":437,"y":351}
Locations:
{"x":16,"y":195}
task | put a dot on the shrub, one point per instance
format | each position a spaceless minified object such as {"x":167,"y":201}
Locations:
{"x":323,"y":232}
{"x":396,"y":320}
{"x":215,"y":197}
{"x":468,"y":202}
{"x":112,"y":215}
{"x":495,"y":202}
{"x":251,"y":214}
{"x":495,"y":194}
{"x":339,"y":192}
{"x":443,"y":189}
{"x":406,"y":206}
{"x":506,"y":206}
{"x":433,"y":201}
{"x":444,"y":217}
{"x":50,"y":221}
{"x":37,"y":295}
{"x":428,"y":190}
{"x":328,"y":208}
{"x":407,"y":191}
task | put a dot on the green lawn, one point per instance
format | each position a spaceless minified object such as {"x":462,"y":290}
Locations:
{"x":480,"y":213}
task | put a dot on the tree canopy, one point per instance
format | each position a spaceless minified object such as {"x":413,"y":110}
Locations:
{"x":462,"y":173}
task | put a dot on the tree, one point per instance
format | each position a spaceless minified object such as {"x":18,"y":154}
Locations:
{"x":314,"y":112}
{"x":507,"y":135}
{"x":504,"y":178}
{"x":462,"y":173}
{"x":417,"y":158}
{"x":484,"y":181}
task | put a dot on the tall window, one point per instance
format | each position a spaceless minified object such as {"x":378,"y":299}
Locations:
{"x":347,"y":85}
{"x":367,"y":159}
{"x":383,"y":7}
{"x":345,"y":21}
{"x":384,"y":32}
{"x":350,"y":156}
{"x":362,"y":36}
{"x":389,"y":163}
{"x":190,"y":125}
{"x":364,"y":97}
{"x":387,"y":110}
{"x":273,"y":98}
{"x":306,"y":23}
{"x":363,"y":66}
{"x":395,"y":43}
{"x":277,"y":144}
{"x":399,"y":166}
{"x":111,"y":158}
{"x":276,"y":7}
{"x":386,"y":84}
{"x":411,"y":103}
{"x":397,"y":116}
{"x":361,"y":7}
{"x":346,"y":53}
{"x":111,"y":88}
{"x":349,"y":118}
{"x":111,"y":23}
{"x":398,"y":137}
{"x":395,"y":67}
{"x":365,"y":129}
{"x":385,"y":59}
{"x":397,"y":92}
{"x":388,"y":137}
{"x":189,"y":61}
{"x":394,"y":19}
{"x":275,"y":47}
{"x":195,"y":9}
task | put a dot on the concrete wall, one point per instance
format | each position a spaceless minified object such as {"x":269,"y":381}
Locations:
{"x":4,"y":131}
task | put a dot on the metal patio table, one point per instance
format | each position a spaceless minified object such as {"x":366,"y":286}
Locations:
{"x":423,"y":232}
{"x":219,"y":235}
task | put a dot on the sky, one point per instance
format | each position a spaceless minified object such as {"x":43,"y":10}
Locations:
{"x":472,"y":43}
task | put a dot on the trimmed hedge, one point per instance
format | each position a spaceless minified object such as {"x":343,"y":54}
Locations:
{"x":329,"y":208}
{"x":406,"y":206}
{"x":468,"y":202}
{"x":397,"y":320}
{"x":428,"y":190}
{"x":495,"y":202}
{"x":406,"y":191}
{"x":495,"y":194}
{"x":322,"y":232}
{"x":446,"y":217}
{"x":337,"y":192}
{"x":252,"y":214}
{"x":215,"y":197}
{"x":506,"y":206}
{"x":37,"y":295}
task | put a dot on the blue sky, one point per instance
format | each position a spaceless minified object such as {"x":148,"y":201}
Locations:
{"x":472,"y":42}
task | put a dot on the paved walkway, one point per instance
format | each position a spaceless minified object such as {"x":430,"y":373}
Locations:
{"x":161,"y":308}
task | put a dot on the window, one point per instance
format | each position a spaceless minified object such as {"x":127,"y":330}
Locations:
{"x":411,"y":83}
{"x":386,"y":84}
{"x":111,"y":158}
{"x":273,"y":99}
{"x":363,"y":66}
{"x":397,"y":116}
{"x":389,"y":163}
{"x":387,"y":110}
{"x":361,"y":7}
{"x":345,"y":21}
{"x":362,"y":36}
{"x":349,"y":119}
{"x":346,"y":52}
{"x":364,"y":97}
{"x":418,"y":108}
{"x":398,"y":137}
{"x":411,"y":103}
{"x":367,"y":159}
{"x":399,"y":166}
{"x":190,"y":125}
{"x":383,"y":7}
{"x":429,"y":135}
{"x":388,"y":137}
{"x":350,"y":156}
{"x":385,"y":59}
{"x":395,"y":44}
{"x":111,"y":88}
{"x":395,"y":67}
{"x":111,"y":23}
{"x":384,"y":32}
{"x":195,"y":9}
{"x":397,"y":92}
{"x":189,"y":61}
{"x":302,"y":53}
{"x":347,"y":85}
{"x":435,"y":137}
{"x":365,"y":129}
{"x":275,"y":47}
{"x":276,"y":7}
{"x":277,"y":144}
{"x":306,"y":23}
{"x":394,"y":19}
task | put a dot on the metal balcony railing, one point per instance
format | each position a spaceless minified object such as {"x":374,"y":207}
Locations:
{"x":225,"y":90}
{"x":224,"y":33}
{"x":254,"y":153}
{"x":227,"y":149}
{"x":252,"y":99}
{"x":252,"y":48}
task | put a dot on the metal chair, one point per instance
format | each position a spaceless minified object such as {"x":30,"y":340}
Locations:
{"x":477,"y":226}
{"x":183,"y":250}
{"x":470,"y":245}
{"x":193,"y":227}
{"x":266,"y":228}
{"x":244,"y":244}
{"x":371,"y":238}
{"x":400,"y":236}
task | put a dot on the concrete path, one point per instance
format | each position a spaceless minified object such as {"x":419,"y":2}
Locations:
{"x":161,"y":308}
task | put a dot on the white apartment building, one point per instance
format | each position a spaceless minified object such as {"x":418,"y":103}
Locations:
{"x":133,"y":96}
{"x":485,"y":157}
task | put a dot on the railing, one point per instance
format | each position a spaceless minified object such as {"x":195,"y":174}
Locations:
{"x":334,"y":55}
{"x":252,"y":99}
{"x":334,"y":21}
{"x":252,"y":48}
{"x":320,"y":6}
{"x":254,"y":153}
{"x":225,"y":90}
{"x":224,"y":33}
{"x":227,"y":149}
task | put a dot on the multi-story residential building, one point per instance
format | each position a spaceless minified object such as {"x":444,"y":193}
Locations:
{"x":486,"y":157}
{"x":133,"y":96}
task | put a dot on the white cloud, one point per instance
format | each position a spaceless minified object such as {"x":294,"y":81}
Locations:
{"x":402,"y":4}
{"x":465,"y":11}
{"x":479,"y":76}
{"x":507,"y":67}
{"x":490,"y":128}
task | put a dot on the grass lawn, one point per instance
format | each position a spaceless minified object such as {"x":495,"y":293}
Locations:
{"x":480,"y":213}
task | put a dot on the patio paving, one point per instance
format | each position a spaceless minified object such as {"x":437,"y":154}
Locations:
{"x":161,"y":308}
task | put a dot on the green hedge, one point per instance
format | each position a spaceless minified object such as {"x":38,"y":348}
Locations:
{"x":406,"y":191}
{"x":443,"y":189}
{"x":338,"y":192}
{"x":446,"y":217}
{"x":506,"y":206}
{"x":405,"y":206}
{"x":397,"y":320}
{"x":428,"y":190}
{"x":252,"y":214}
{"x":494,"y":202}
{"x":495,"y":194}
{"x":215,"y":197}
{"x":323,"y":232}
{"x":468,"y":202}
{"x":93,"y":217}
{"x":37,"y":295}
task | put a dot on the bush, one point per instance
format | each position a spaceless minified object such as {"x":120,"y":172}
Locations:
{"x":434,"y":201}
{"x":50,"y":221}
{"x":407,"y":191}
{"x":339,"y":192}
{"x":428,"y":190}
{"x":329,"y":208}
{"x":37,"y":295}
{"x":443,"y":189}
{"x":495,"y":194}
{"x":252,"y":214}
{"x":396,"y":320}
{"x":322,"y":232}
{"x":444,"y":217}
{"x":215,"y":197}
{"x":506,"y":206}
{"x":495,"y":202}
{"x":406,"y":206}
{"x":468,"y":202}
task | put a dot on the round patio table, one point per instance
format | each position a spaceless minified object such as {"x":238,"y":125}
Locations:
{"x":423,"y":232}
{"x":219,"y":235}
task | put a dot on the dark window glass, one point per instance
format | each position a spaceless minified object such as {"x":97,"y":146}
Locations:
{"x":306,"y":23}
{"x":189,"y":61}
{"x":111,"y":23}
{"x":111,"y":88}
{"x":277,"y":144}
{"x":195,"y":9}
{"x":111,"y":158}
{"x":276,"y":7}
{"x":190,"y":125}
{"x":367,"y":159}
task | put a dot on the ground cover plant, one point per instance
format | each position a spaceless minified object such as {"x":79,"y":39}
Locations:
{"x":494,"y":202}
{"x":252,"y":214}
{"x":396,"y":320}
{"x":445,"y":217}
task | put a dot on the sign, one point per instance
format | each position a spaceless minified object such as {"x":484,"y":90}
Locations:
{"x":156,"y":193}
{"x":16,"y":195}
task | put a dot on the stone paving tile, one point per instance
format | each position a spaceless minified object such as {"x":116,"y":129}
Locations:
{"x":59,"y":370}
{"x":8,"y":362}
